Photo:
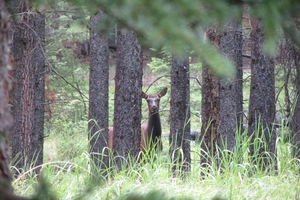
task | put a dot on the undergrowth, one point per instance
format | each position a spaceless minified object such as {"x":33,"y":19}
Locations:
{"x":68,"y":173}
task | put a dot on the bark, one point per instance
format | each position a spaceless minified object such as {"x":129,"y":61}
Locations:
{"x":180,"y":115}
{"x":286,"y":59}
{"x":231,"y":94}
{"x":128,"y":97}
{"x":209,"y":116}
{"x":29,"y":83}
{"x":222,"y":99}
{"x":5,"y":116}
{"x":98,"y":93}
{"x":6,"y":120}
{"x":210,"y":108}
{"x":295,"y":122}
{"x":262,"y":95}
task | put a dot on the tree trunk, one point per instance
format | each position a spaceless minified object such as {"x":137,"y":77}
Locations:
{"x":5,"y":116}
{"x":231,"y":93}
{"x":98,"y":93}
{"x":180,"y":115}
{"x":29,"y":83}
{"x":210,"y":108}
{"x":295,"y":122}
{"x":6,"y":189}
{"x":222,"y":109}
{"x":262,"y":96}
{"x":128,"y":97}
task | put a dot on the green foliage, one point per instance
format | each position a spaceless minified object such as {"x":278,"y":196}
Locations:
{"x":154,"y":194}
{"x":168,"y":24}
{"x":161,"y":65}
{"x":180,"y":24}
{"x":278,"y":20}
{"x":73,"y":132}
{"x":67,"y":73}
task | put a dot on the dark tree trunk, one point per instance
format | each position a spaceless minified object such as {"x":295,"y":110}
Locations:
{"x":5,"y":116}
{"x":262,"y":95}
{"x":39,"y":89}
{"x":6,"y":120}
{"x":128,"y":97}
{"x":222,"y":109}
{"x":210,"y":108}
{"x":6,"y":190}
{"x":209,"y":116}
{"x":180,"y":115}
{"x":98,"y":93}
{"x":295,"y":122}
{"x":29,"y":82}
{"x":231,"y":94}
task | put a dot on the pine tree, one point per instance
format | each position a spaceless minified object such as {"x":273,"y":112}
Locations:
{"x":29,"y":86}
{"x":180,"y":115}
{"x":98,"y":93}
{"x":128,"y":97}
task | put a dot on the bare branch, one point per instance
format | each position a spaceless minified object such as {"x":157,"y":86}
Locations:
{"x":164,"y":76}
{"x":198,"y":81}
{"x":64,"y":79}
{"x":246,"y":56}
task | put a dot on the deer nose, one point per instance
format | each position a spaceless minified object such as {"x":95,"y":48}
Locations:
{"x":154,"y":107}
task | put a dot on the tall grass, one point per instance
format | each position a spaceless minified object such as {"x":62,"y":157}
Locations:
{"x":68,"y":173}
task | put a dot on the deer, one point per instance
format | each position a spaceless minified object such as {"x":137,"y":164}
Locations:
{"x":150,"y":130}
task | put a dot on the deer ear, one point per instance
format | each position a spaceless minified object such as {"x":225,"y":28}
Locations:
{"x":144,"y":95}
{"x":163,"y":92}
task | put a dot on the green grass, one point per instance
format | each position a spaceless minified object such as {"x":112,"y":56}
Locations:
{"x":67,"y":170}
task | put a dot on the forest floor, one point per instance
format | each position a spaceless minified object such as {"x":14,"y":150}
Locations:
{"x":67,"y":169}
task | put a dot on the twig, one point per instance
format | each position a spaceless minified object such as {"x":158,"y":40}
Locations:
{"x":246,"y":56}
{"x":199,"y":82}
{"x":164,"y":76}
{"x":63,"y":78}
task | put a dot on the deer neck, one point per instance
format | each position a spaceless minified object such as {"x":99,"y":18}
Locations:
{"x":154,"y":125}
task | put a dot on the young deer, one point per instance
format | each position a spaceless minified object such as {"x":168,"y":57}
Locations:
{"x":151,"y":130}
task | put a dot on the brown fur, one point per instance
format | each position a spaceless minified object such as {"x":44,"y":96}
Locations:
{"x":146,"y":131}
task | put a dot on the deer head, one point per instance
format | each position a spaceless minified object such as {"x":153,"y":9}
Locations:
{"x":153,"y":100}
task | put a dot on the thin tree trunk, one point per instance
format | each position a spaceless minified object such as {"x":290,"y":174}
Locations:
{"x":128,"y":97}
{"x":262,"y":96}
{"x":98,"y":94}
{"x":210,"y":109}
{"x":28,"y":108}
{"x":231,"y":97}
{"x":5,"y":116}
{"x":180,"y":115}
{"x":295,"y":122}
{"x":288,"y":61}
{"x":39,"y":89}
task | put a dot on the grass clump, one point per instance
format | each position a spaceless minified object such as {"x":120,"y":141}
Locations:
{"x":230,"y":175}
